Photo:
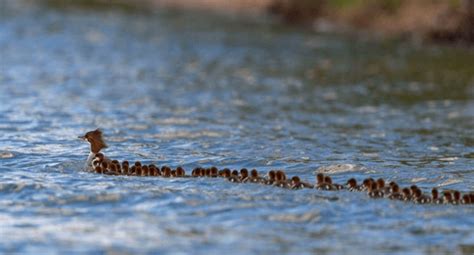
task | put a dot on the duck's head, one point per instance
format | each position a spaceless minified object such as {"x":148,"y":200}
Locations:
{"x":95,"y":139}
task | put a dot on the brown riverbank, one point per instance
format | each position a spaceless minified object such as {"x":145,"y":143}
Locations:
{"x":449,"y":21}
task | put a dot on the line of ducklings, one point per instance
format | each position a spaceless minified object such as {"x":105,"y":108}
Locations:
{"x":373,"y":188}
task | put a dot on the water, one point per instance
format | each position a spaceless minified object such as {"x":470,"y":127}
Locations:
{"x":196,"y":89}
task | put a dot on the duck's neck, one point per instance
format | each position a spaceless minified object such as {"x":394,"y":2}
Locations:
{"x":88,"y":165}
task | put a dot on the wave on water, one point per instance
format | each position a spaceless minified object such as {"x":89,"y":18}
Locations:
{"x":340,"y":168}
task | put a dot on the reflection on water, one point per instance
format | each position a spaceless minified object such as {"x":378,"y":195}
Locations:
{"x":191,"y":89}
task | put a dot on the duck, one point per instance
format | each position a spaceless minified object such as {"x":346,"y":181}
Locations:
{"x":145,"y":170}
{"x":226,"y":173}
{"x":374,"y":192}
{"x":419,"y":198}
{"x":96,"y":141}
{"x":351,"y":185}
{"x":180,"y":172}
{"x":138,"y":170}
{"x":326,"y":184}
{"x":466,"y":199}
{"x":97,"y":160}
{"x":435,"y":196}
{"x":280,"y":180}
{"x":195,"y":172}
{"x":366,"y":184}
{"x":270,"y":178}
{"x":214,"y":172}
{"x":132,"y":170}
{"x":118,"y":169}
{"x":234,"y":177}
{"x":296,"y":183}
{"x":166,"y":171}
{"x":254,"y":177}
{"x":98,"y":169}
{"x":381,"y":186}
{"x":447,"y":197}
{"x":319,"y":179}
{"x":406,"y":192}
{"x":395,"y":192}
{"x":244,"y":174}
{"x":125,"y":168}
{"x":456,"y":197}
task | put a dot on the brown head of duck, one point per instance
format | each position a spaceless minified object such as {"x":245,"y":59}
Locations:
{"x":95,"y":139}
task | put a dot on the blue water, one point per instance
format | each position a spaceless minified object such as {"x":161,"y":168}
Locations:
{"x":194,"y":89}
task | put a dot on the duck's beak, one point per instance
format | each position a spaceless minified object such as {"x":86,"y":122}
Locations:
{"x":83,"y":137}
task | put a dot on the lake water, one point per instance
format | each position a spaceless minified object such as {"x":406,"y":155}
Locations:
{"x":189,"y":89}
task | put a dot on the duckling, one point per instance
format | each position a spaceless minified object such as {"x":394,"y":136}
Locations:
{"x":118,"y":169}
{"x":125,"y":168}
{"x":466,"y":199}
{"x":254,"y":178}
{"x":138,"y":170}
{"x":296,"y":183}
{"x":366,"y":184}
{"x":174,"y":173}
{"x":214,"y":172}
{"x":195,"y":172}
{"x":270,"y":178}
{"x":419,"y":198}
{"x":406,"y":192}
{"x":456,"y":197}
{"x":166,"y":172}
{"x":223,"y":171}
{"x":395,"y":192}
{"x":413,"y":188}
{"x":145,"y":171}
{"x":234,"y":177}
{"x":226,"y":173}
{"x":98,"y":169}
{"x":152,"y":170}
{"x":133,"y":170}
{"x":280,"y":180}
{"x":97,"y":160}
{"x":180,"y":172}
{"x":373,"y":192}
{"x":244,"y":174}
{"x":319,"y":179}
{"x":112,"y":170}
{"x":207,"y":172}
{"x":105,"y":166}
{"x":352,"y":185}
{"x":381,"y":186}
{"x":435,"y":196}
{"x":447,"y":197}
{"x":202,"y":172}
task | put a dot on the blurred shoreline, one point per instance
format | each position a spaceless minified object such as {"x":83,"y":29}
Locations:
{"x":448,"y":21}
